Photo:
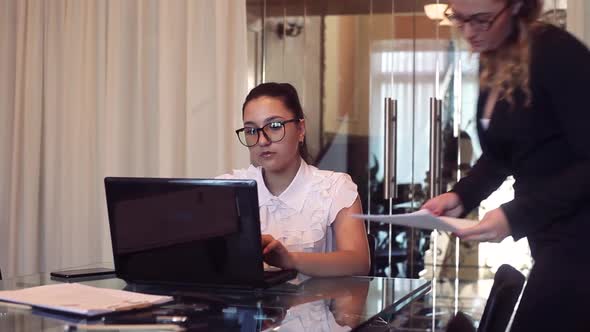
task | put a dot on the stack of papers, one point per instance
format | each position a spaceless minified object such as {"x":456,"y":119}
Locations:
{"x":81,"y":299}
{"x":421,"y":219}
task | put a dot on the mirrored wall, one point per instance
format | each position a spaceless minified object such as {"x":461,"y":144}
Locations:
{"x":389,"y":92}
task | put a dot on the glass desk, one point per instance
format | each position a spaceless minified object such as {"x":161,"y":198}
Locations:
{"x":317,"y":304}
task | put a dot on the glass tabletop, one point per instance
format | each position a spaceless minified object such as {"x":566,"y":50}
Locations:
{"x":316,"y":304}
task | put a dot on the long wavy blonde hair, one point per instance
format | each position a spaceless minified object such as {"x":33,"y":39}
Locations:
{"x":507,"y":67}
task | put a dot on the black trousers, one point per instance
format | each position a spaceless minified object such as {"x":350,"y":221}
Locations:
{"x":557,"y":294}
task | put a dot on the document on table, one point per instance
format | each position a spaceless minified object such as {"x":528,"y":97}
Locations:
{"x":81,"y":299}
{"x":421,"y":219}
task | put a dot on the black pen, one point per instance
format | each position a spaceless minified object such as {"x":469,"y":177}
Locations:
{"x":110,"y":327}
{"x":155,"y":319}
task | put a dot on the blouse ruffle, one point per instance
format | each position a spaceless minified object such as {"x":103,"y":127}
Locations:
{"x":324,"y":194}
{"x":312,"y":316}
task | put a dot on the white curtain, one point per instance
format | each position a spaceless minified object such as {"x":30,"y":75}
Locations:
{"x":95,"y":88}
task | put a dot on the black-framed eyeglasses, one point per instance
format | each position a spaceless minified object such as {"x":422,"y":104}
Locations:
{"x":477,"y":22}
{"x":273,"y":131}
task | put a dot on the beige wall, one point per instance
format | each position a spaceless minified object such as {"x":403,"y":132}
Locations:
{"x":578,"y":19}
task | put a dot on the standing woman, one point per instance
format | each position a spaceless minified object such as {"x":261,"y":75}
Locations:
{"x":305,"y":213}
{"x":533,"y":120}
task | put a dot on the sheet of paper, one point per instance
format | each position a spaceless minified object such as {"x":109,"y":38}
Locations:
{"x":81,"y":299}
{"x":421,"y":219}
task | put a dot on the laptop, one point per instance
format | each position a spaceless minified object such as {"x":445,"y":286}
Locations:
{"x":194,"y":232}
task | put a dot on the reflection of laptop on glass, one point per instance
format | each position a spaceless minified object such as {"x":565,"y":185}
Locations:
{"x":202,"y":232}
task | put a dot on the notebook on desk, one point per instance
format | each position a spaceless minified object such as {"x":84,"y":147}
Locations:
{"x":194,"y":232}
{"x":81,"y":299}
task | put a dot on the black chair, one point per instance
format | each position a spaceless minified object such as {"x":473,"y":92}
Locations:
{"x":398,"y":255}
{"x":499,"y":307}
{"x":507,"y":286}
{"x":0,"y":274}
{"x":379,"y":254}
{"x":460,"y":323}
{"x":372,"y":248}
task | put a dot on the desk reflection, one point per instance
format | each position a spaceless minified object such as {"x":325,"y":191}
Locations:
{"x":325,"y":305}
{"x":317,"y":304}
{"x":315,"y":316}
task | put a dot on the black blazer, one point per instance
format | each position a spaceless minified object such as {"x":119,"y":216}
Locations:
{"x":546,"y":146}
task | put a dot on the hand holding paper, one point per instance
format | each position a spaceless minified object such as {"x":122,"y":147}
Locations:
{"x":494,"y":227}
{"x":421,"y":219}
{"x":448,"y":204}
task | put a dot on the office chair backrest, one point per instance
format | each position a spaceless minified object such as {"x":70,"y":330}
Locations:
{"x":372,"y":248}
{"x":460,"y":323}
{"x":507,"y":286}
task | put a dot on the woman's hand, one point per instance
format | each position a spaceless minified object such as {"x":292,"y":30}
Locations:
{"x":447,"y":204}
{"x":275,"y":253}
{"x":493,"y":227}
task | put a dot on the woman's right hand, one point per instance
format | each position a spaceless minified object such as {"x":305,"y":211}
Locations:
{"x":276,"y":254}
{"x":448,"y":204}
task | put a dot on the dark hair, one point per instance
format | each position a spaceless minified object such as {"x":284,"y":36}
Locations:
{"x":288,"y":95}
{"x":530,"y":10}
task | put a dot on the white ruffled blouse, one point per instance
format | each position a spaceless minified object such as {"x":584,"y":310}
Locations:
{"x":301,"y":216}
{"x":311,"y":316}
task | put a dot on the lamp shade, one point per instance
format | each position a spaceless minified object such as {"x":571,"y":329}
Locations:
{"x":435,"y":11}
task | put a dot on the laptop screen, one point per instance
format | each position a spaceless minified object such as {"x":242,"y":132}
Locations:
{"x":185,"y":231}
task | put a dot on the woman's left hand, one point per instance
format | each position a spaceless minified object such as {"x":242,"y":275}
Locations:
{"x":493,"y":227}
{"x":275,"y":253}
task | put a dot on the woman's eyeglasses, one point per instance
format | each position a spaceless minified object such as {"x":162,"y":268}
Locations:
{"x":477,"y":22}
{"x":273,"y":132}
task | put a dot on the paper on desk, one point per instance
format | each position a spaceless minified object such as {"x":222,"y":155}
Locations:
{"x":81,"y":299}
{"x":421,"y":219}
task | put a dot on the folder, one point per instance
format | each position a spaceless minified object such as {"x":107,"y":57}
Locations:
{"x":81,"y":299}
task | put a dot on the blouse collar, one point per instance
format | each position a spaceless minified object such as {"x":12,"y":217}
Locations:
{"x":293,"y":196}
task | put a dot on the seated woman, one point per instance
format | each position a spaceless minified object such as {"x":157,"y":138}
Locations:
{"x":302,"y":209}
